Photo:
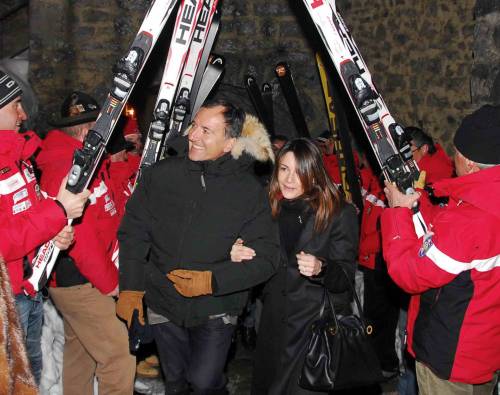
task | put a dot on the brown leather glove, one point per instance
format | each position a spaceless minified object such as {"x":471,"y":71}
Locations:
{"x":128,"y":301}
{"x":191,"y":283}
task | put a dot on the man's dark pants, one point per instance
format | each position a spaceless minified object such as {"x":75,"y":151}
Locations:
{"x":194,"y":356}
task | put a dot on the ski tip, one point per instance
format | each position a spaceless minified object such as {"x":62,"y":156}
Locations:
{"x":216,"y":59}
{"x":266,"y":87}
{"x":249,"y":79}
{"x":281,"y":69}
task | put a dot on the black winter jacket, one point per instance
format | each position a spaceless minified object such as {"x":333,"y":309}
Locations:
{"x":187,"y":214}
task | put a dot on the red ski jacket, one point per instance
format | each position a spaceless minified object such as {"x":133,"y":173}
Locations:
{"x":95,"y":248}
{"x":370,"y":240}
{"x":123,"y":174}
{"x":453,"y":273}
{"x":332,"y":168}
{"x":27,"y":219}
{"x":437,"y":166}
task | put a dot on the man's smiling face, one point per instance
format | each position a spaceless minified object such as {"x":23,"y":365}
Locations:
{"x":207,"y":135}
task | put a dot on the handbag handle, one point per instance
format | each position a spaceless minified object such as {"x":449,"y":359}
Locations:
{"x":328,"y":296}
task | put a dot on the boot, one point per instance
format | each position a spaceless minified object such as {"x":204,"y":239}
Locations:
{"x":146,"y":370}
{"x":153,"y":360}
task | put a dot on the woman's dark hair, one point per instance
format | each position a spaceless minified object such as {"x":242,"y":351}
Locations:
{"x":420,"y":138}
{"x":319,"y":190}
{"x":234,"y":116}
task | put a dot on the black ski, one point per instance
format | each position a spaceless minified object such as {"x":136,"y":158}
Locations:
{"x":257,"y":101}
{"x":267,"y":98}
{"x":285,"y":79}
{"x":213,"y":73}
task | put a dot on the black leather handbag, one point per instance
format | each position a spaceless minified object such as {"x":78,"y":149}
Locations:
{"x":339,"y":353}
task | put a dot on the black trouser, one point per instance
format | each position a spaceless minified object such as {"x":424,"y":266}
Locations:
{"x":381,"y":309}
{"x":194,"y":356}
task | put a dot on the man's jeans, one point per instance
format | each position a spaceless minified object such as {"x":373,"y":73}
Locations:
{"x":194,"y":355}
{"x":30,"y":311}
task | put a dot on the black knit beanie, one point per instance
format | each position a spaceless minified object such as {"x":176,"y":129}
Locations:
{"x":478,"y":136}
{"x":9,"y":89}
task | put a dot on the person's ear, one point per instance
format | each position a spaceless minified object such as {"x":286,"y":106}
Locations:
{"x":471,"y":166}
{"x":228,"y":146}
{"x":84,"y":130}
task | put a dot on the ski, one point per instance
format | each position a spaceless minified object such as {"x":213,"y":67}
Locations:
{"x":257,"y":100}
{"x":86,"y":160}
{"x":285,"y":79}
{"x":183,"y":102}
{"x":332,"y":122}
{"x":380,"y":127}
{"x":340,"y":133}
{"x":213,"y":73}
{"x":267,"y":98}
{"x":184,"y":29}
{"x":203,"y":64}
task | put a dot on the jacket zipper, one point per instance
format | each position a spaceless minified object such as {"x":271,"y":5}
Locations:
{"x":203,"y":185}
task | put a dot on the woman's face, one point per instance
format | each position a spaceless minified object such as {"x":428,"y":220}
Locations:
{"x":288,"y":179}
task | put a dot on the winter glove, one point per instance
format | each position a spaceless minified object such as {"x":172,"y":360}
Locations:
{"x":191,"y":283}
{"x":420,"y":183}
{"x":128,"y":301}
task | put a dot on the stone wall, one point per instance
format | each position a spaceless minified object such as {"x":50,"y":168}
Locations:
{"x":75,"y":44}
{"x":419,"y":52}
{"x":14,"y":33}
{"x":486,"y":66}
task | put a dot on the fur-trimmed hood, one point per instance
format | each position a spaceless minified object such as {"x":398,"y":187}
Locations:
{"x":254,"y":140}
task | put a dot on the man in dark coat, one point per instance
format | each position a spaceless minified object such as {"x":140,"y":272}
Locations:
{"x":180,"y":223}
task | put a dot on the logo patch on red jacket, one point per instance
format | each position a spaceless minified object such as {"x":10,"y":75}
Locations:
{"x":20,"y":207}
{"x":426,"y":245}
{"x":18,"y":196}
{"x":11,"y":184}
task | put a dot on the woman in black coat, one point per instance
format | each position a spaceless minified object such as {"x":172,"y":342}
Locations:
{"x":319,"y":244}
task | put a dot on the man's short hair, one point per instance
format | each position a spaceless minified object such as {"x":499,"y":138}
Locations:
{"x":75,"y":130}
{"x":420,"y":138}
{"x":234,"y":117}
{"x":279,"y":137}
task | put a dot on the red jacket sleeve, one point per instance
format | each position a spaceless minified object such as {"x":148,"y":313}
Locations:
{"x":413,"y":261}
{"x":22,"y":233}
{"x":90,"y":255}
{"x":88,"y":252}
{"x":370,"y":233}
